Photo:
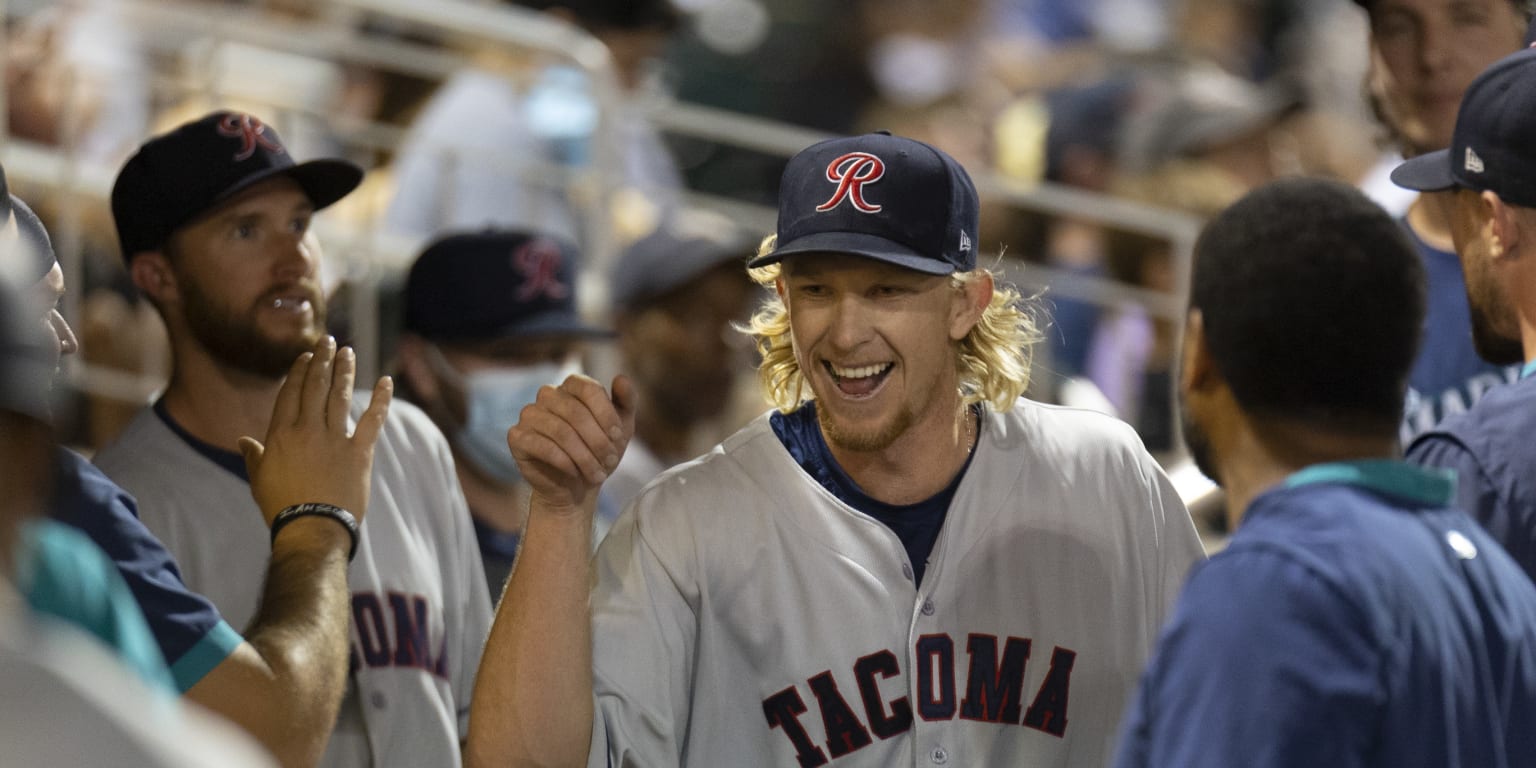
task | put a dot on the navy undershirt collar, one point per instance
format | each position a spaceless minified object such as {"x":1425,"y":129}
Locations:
{"x":229,"y":460}
{"x":917,"y":525}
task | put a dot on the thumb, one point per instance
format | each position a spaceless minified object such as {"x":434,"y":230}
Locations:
{"x":252,"y":451}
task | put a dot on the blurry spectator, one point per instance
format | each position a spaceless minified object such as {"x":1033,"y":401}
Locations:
{"x":76,"y":75}
{"x":1424,"y":53}
{"x":676,"y":296}
{"x":489,"y":318}
{"x":1200,"y":137}
{"x":494,"y":143}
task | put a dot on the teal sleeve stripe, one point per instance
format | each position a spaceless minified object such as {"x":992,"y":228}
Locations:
{"x":200,"y":659}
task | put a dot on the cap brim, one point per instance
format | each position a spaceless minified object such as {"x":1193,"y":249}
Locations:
{"x":1426,"y":173}
{"x":323,"y":181}
{"x":546,"y":324}
{"x":855,"y":244}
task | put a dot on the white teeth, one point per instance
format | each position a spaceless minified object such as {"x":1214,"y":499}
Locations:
{"x":859,"y":373}
{"x":294,"y":304}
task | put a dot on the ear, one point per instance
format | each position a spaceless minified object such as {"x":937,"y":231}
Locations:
{"x":152,"y":273}
{"x":1504,"y":223}
{"x":1197,"y":371}
{"x":412,"y":360}
{"x":969,"y":304}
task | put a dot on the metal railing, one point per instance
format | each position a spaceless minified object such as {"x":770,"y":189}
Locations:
{"x":366,"y":254}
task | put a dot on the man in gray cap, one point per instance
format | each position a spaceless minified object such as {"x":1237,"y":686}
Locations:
{"x":676,"y":296}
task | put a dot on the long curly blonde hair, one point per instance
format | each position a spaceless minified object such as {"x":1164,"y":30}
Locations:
{"x":992,"y":361}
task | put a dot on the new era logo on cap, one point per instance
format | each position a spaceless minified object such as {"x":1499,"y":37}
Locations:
{"x":1473,"y":163}
{"x":1498,"y":116}
{"x":878,"y":196}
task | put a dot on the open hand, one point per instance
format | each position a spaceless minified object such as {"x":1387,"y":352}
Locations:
{"x":308,"y":455}
{"x":571,"y":438}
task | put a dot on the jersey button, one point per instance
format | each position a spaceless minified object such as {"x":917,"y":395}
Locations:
{"x":927,"y":607}
{"x":377,"y":700}
{"x":906,"y":570}
{"x":939,"y":756}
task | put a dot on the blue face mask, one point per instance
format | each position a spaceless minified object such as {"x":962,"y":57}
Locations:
{"x":495,"y":398}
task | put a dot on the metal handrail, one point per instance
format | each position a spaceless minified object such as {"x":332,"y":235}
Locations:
{"x":173,"y":21}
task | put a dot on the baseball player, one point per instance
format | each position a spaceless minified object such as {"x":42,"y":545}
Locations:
{"x":1423,"y":54}
{"x":273,"y":681}
{"x":65,"y":699}
{"x":1355,"y":618}
{"x":904,"y":564}
{"x":1488,"y":171}
{"x":212,"y":218}
{"x":490,"y":317}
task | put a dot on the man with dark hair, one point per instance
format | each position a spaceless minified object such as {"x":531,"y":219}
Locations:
{"x":1355,"y":617}
{"x":676,"y":294}
{"x":1423,"y":54}
{"x":490,"y":317}
{"x":1489,"y":176}
{"x":501,"y":142}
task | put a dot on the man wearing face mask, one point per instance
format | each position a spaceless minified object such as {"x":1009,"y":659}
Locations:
{"x":490,"y":317}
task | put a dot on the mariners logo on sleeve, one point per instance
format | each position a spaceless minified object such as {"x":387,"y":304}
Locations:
{"x":850,"y":173}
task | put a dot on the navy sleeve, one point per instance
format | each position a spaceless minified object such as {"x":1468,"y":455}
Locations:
{"x":1262,"y":664}
{"x":191,"y":634}
{"x":1479,"y":496}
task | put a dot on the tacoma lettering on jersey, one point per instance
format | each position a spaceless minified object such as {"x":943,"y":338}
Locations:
{"x":994,"y":693}
{"x":395,"y":632}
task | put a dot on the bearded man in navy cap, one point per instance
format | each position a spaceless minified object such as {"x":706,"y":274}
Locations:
{"x":1488,"y":180}
{"x":212,"y":218}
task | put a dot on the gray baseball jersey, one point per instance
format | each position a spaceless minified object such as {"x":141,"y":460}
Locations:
{"x":744,"y":616}
{"x":420,"y":610}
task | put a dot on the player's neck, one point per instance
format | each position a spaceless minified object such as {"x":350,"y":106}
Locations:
{"x":917,"y":465}
{"x":1430,"y":222}
{"x":1257,"y":457}
{"x":216,"y":404}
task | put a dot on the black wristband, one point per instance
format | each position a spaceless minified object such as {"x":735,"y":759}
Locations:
{"x":331,"y":511}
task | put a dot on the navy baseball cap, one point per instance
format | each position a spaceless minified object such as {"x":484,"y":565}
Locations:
{"x":879,"y":196}
{"x":26,"y":251}
{"x":670,"y":257}
{"x":180,"y":175}
{"x":494,"y":284}
{"x":1491,"y":145}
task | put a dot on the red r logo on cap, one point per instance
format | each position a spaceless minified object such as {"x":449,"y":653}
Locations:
{"x":250,"y":132}
{"x":538,"y":262}
{"x":850,"y":173}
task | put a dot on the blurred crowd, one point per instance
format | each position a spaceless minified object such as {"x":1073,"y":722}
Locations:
{"x":516,"y":191}
{"x":1178,"y":104}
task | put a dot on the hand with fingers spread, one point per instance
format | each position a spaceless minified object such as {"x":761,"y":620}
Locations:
{"x":308,"y":456}
{"x":571,"y":438}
